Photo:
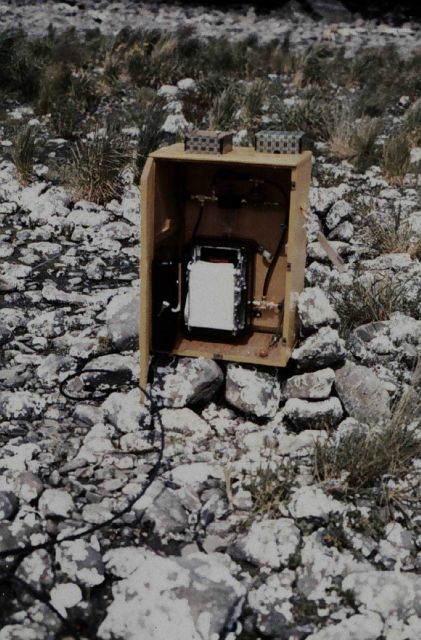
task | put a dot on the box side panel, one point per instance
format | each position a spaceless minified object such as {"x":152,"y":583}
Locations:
{"x":147,"y":204}
{"x":296,"y":249}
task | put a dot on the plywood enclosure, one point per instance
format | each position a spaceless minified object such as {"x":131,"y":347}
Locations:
{"x":171,"y":183}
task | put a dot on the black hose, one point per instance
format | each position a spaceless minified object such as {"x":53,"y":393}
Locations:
{"x":198,"y":221}
{"x":273,"y":262}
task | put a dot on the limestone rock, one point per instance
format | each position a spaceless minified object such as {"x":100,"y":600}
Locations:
{"x":272,"y":603}
{"x":21,"y":404}
{"x":55,"y":503}
{"x":310,"y":386}
{"x":388,"y":593}
{"x":320,"y":350}
{"x":163,"y":508}
{"x":315,"y":310}
{"x":269,"y":543}
{"x":367,"y":626}
{"x":81,"y":562}
{"x":8,"y":505}
{"x":362,"y":393}
{"x":197,"y":598}
{"x":313,"y":414}
{"x":122,"y":318}
{"x":340,"y":211}
{"x":312,"y":502}
{"x":253,"y":392}
{"x":190,"y":381}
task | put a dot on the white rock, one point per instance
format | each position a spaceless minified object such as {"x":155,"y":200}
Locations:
{"x":322,"y":198}
{"x":81,"y":562}
{"x":122,"y":317}
{"x":186,"y":423}
{"x":367,"y":626}
{"x":251,"y":391}
{"x":191,"y":380}
{"x":124,"y":410}
{"x":56,"y":502}
{"x":339,"y":212}
{"x":315,"y":310}
{"x":174,"y":123}
{"x":195,"y":475}
{"x":21,"y":404}
{"x":320,"y":349}
{"x":312,"y":502}
{"x":197,"y":598}
{"x":313,"y":386}
{"x":272,"y":602}
{"x":321,"y":567}
{"x":391,"y":594}
{"x":65,"y":596}
{"x":269,"y":543}
{"x":313,"y":414}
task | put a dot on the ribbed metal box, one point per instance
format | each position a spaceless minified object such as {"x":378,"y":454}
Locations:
{"x":281,"y":141}
{"x":214,"y":142}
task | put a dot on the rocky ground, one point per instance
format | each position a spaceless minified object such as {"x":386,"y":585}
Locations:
{"x":244,"y":533}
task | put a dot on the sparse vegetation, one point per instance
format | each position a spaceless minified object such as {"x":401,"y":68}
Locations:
{"x":390,"y":234}
{"x":396,"y":158}
{"x":412,"y":123}
{"x":364,"y":143}
{"x":362,"y":457}
{"x":371,"y":299}
{"x":23,"y":152}
{"x":96,"y":165}
{"x":223,"y":110}
{"x":270,"y":487}
{"x":150,"y":120}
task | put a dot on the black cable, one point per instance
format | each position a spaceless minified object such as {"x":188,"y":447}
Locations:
{"x":98,"y":396}
{"x":21,"y":553}
{"x":39,"y":595}
{"x":198,"y":221}
{"x":279,"y":187}
{"x":153,"y":473}
{"x":273,"y":262}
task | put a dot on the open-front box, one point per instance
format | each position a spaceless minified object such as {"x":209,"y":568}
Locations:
{"x":222,"y":254}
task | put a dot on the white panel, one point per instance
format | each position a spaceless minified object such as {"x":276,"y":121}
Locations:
{"x":210,"y":299}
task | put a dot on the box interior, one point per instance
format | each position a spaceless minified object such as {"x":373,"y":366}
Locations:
{"x":178,"y":184}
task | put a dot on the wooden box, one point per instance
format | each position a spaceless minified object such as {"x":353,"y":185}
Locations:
{"x":171,"y":180}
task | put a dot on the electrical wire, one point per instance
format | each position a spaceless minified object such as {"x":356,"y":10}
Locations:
{"x":273,"y":263}
{"x":20,"y":553}
{"x":198,"y":220}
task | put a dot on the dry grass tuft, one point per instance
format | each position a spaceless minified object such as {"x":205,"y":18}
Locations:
{"x":223,"y":110}
{"x":362,"y":457}
{"x":371,"y":300}
{"x":270,"y":487}
{"x":391,"y":234}
{"x":96,"y":165}
{"x":396,"y":158}
{"x":23,"y":152}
